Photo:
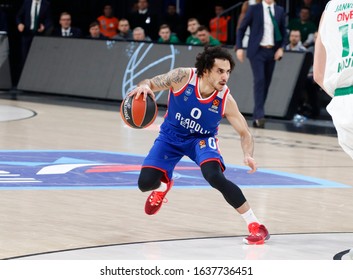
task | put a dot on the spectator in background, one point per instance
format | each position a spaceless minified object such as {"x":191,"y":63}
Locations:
{"x":315,"y":10}
{"x":125,"y":32}
{"x":166,"y":35}
{"x":108,"y":24}
{"x":295,"y":43}
{"x":244,"y":9}
{"x":312,"y":48}
{"x":311,"y":105}
{"x":138,"y":34}
{"x":33,"y":19}
{"x":145,"y":19}
{"x":266,"y":43}
{"x":174,"y":21}
{"x":94,"y":32}
{"x":205,"y":37}
{"x":134,"y":8}
{"x":304,"y":25}
{"x":219,"y":25}
{"x":65,"y":29}
{"x":306,"y":101}
{"x":193,"y":25}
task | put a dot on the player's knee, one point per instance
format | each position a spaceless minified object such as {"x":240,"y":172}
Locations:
{"x":149,"y":179}
{"x":215,"y":179}
{"x":213,"y":174}
{"x":146,"y":184}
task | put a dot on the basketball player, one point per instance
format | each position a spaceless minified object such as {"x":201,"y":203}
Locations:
{"x":198,"y":99}
{"x":333,"y":67}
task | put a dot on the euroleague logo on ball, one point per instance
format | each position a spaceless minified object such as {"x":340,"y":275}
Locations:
{"x":138,"y":113}
{"x":125,"y":108}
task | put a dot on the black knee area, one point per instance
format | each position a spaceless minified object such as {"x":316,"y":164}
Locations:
{"x":214,"y":175}
{"x":149,"y":179}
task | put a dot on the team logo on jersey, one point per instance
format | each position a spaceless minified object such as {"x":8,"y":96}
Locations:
{"x":187,"y":93}
{"x":202,"y":144}
{"x":215,"y":105}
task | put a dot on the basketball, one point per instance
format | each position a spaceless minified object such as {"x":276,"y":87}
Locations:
{"x":138,"y":113}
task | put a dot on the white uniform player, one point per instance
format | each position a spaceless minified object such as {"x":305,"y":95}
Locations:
{"x":333,"y":67}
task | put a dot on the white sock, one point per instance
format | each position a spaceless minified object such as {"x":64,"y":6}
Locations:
{"x":250,"y":217}
{"x":162,"y":187}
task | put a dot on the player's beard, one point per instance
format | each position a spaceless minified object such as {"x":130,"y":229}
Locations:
{"x":216,"y":85}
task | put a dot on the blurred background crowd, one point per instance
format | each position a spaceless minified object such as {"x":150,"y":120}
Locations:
{"x":197,"y":22}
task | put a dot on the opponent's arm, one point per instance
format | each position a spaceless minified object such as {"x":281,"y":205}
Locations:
{"x":174,"y":79}
{"x":238,"y":122}
{"x":319,"y":63}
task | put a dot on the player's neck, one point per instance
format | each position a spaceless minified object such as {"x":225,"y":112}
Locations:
{"x":205,"y":88}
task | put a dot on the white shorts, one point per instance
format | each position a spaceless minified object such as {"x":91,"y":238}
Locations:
{"x":341,"y":111}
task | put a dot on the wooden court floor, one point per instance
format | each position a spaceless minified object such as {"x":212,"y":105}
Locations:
{"x":35,"y":221}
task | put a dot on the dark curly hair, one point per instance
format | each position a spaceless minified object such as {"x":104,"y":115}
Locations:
{"x":206,"y":59}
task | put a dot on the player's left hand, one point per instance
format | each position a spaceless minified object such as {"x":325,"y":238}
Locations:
{"x":249,"y":161}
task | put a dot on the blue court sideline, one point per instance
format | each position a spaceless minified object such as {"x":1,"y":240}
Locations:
{"x":105,"y":170}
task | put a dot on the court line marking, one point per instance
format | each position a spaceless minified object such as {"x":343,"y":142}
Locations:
{"x":315,"y":182}
{"x":337,"y":256}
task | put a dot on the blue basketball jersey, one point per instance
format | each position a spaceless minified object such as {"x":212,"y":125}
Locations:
{"x":189,"y":114}
{"x":189,"y":128}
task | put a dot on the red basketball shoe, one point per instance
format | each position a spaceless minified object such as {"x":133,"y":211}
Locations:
{"x":258,"y":234}
{"x":155,"y":200}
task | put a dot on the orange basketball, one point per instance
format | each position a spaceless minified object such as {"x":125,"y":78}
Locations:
{"x":138,"y":113}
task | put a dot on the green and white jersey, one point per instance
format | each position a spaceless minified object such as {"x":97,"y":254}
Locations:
{"x":336,"y":31}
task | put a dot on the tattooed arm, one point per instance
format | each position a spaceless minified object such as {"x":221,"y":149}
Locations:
{"x":174,"y":79}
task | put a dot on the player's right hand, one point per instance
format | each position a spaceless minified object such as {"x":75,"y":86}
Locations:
{"x":142,"y":89}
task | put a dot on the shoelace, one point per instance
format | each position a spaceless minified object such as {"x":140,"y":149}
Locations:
{"x":157,"y":197}
{"x":255,"y":231}
{"x":254,"y":228}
